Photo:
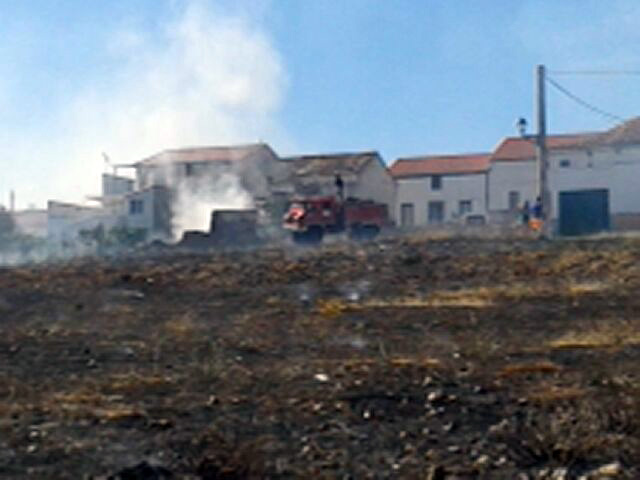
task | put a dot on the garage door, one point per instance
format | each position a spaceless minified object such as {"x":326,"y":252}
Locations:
{"x":583,"y":212}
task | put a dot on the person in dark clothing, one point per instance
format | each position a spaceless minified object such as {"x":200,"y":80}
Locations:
{"x":339,"y":186}
{"x":525,"y":213}
{"x":537,"y":208}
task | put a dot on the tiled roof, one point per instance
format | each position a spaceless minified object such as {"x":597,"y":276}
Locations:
{"x":330,"y":164}
{"x":517,"y":148}
{"x":624,"y":134}
{"x":440,"y":165}
{"x":206,"y":154}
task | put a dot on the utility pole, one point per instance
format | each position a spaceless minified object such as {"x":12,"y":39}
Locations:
{"x":541,"y":150}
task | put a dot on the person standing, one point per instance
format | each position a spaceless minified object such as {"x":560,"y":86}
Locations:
{"x":537,"y":209}
{"x":525,"y":213}
{"x":339,"y":187}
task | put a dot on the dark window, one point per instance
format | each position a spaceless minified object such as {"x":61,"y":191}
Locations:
{"x":465,"y":206}
{"x":436,"y":182}
{"x":565,"y":163}
{"x":406,"y":214}
{"x":188,"y":169}
{"x":435,"y":213}
{"x":136,"y":206}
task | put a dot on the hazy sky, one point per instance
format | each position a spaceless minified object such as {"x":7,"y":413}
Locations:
{"x":405,"y":77}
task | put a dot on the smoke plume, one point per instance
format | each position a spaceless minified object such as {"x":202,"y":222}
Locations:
{"x":202,"y":76}
{"x":195,"y":201}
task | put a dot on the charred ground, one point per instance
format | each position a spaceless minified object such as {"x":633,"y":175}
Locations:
{"x":454,"y":358}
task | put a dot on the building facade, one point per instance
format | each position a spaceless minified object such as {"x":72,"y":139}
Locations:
{"x":593,"y":165}
{"x":439,"y":190}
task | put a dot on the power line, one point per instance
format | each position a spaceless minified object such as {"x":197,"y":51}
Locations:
{"x":595,"y":72}
{"x":584,"y":103}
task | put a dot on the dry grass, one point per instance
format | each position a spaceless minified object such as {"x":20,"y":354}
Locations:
{"x":478,"y":297}
{"x":422,"y":362}
{"x":587,"y":288}
{"x":544,"y":367}
{"x":442,"y":299}
{"x":133,"y":383}
{"x":84,"y":403}
{"x":182,"y":326}
{"x":604,"y":335}
{"x":332,"y":307}
{"x":485,"y":297}
{"x":551,"y":394}
{"x":115,"y":413}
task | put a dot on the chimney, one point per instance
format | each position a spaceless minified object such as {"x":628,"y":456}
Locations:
{"x":12,"y":201}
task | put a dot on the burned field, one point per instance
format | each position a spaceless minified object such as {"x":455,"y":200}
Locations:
{"x":423,"y":358}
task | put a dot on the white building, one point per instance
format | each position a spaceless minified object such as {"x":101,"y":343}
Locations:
{"x":150,"y":210}
{"x":65,"y":221}
{"x":256,"y":165}
{"x":435,"y":190}
{"x":590,"y":175}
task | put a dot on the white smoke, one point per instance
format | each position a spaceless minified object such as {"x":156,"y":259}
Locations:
{"x":204,"y":77}
{"x":195,"y":200}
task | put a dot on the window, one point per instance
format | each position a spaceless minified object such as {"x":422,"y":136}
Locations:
{"x":188,"y":169}
{"x":435,"y":212}
{"x":436,"y":182}
{"x":465,"y":206}
{"x":564,"y":163}
{"x":406,"y":214}
{"x":514,"y":200}
{"x":136,"y":207}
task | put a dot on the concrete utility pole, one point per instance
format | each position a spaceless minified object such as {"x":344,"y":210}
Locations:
{"x":541,"y":150}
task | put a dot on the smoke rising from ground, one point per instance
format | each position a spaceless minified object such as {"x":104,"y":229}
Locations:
{"x":202,"y":77}
{"x":195,"y":200}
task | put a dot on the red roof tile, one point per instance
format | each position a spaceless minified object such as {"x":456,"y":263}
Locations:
{"x":624,"y":134}
{"x":516,"y":148}
{"x":440,"y":165}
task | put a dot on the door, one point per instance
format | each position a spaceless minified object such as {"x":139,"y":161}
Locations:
{"x":435,"y":212}
{"x":583,"y":212}
{"x":406,"y":215}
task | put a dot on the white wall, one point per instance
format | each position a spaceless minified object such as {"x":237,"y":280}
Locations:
{"x":519,"y":176}
{"x":65,"y":221}
{"x":140,"y":219}
{"x":375,"y":183}
{"x":114,"y":185}
{"x":418,"y":191}
{"x":616,"y":170}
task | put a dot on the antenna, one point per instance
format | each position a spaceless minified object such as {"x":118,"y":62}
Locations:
{"x":108,"y":163}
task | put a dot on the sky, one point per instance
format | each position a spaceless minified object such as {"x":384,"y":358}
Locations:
{"x":129,"y":78}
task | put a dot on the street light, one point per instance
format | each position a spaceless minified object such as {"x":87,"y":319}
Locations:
{"x":521,"y":125}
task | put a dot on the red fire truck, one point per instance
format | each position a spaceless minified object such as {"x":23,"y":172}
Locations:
{"x":309,"y":219}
